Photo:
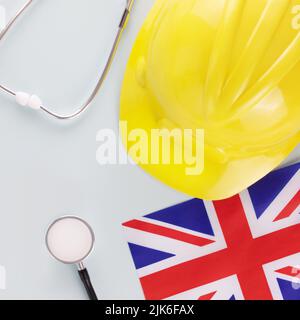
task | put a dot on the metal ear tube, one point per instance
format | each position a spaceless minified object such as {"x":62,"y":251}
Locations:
{"x":34,"y":102}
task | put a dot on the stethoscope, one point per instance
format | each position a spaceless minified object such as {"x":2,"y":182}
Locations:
{"x":34,"y":102}
{"x":70,"y":240}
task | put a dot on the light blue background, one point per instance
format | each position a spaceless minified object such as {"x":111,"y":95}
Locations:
{"x":48,"y":168}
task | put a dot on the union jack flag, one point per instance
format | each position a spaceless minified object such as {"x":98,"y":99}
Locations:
{"x":245,"y":247}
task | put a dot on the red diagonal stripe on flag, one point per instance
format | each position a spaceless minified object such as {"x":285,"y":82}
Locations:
{"x":167,"y":232}
{"x":290,"y":271}
{"x":208,"y":296}
{"x":290,"y":208}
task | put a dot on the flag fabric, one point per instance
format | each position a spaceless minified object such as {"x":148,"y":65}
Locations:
{"x":244,"y":247}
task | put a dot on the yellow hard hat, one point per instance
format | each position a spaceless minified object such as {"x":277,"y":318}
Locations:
{"x":231,"y":67}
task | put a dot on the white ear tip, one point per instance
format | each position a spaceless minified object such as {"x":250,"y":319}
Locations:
{"x":22,"y":98}
{"x":34,"y":102}
{"x":26,"y":100}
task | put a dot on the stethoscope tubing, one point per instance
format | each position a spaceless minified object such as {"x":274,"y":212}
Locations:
{"x":86,"y":280}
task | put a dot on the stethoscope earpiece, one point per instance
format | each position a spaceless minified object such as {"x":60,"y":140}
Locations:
{"x":70,"y":240}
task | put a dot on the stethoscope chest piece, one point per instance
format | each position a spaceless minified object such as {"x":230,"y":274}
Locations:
{"x":70,"y":240}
